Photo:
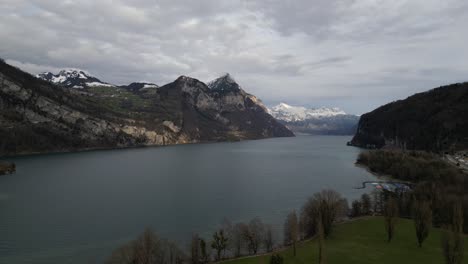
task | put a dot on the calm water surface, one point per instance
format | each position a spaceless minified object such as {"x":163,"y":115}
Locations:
{"x":76,"y":208}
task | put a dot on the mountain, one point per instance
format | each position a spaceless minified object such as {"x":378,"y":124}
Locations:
{"x":290,"y":113}
{"x":224,"y":84}
{"x":321,"y":121}
{"x":435,"y":120}
{"x":37,"y":116}
{"x":140,"y":86}
{"x":72,"y":78}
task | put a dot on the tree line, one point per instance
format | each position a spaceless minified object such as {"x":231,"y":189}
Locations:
{"x":232,"y":240}
{"x":316,"y":219}
{"x":439,"y":198}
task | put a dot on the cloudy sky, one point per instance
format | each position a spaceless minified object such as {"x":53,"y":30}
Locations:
{"x":354,"y":54}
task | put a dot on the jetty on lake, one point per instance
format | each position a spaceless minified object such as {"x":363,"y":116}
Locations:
{"x":390,"y":186}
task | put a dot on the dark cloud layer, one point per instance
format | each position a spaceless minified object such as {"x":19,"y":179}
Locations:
{"x":355,"y":54}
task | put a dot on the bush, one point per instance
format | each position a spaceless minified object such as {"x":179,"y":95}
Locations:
{"x":276,"y":259}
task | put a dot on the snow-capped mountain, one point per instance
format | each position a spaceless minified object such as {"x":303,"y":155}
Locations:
{"x":290,"y":113}
{"x":322,"y":121}
{"x":73,"y":78}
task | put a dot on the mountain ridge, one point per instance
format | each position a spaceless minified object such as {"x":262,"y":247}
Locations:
{"x":320,"y":121}
{"x":38,"y":116}
{"x":434,"y":120}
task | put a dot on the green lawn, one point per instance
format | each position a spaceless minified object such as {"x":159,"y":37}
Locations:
{"x":363,"y":241}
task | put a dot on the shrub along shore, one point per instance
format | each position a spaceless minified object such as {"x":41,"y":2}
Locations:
{"x":7,"y":167}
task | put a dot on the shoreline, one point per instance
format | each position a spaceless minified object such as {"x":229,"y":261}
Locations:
{"x":7,"y":168}
{"x":84,"y":150}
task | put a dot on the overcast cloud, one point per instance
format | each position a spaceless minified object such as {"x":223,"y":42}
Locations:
{"x":354,"y":54}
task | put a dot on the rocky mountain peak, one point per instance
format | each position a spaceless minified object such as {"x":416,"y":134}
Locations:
{"x":224,"y":83}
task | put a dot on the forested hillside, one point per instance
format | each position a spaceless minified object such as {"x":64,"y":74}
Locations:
{"x":436,"y":120}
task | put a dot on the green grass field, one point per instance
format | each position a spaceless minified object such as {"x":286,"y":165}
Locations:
{"x":364,"y":241}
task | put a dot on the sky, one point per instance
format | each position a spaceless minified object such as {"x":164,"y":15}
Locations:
{"x":352,"y":54}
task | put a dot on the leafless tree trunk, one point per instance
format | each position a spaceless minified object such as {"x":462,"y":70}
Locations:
{"x":391,"y":217}
{"x":237,"y":242}
{"x":195,"y":249}
{"x":269,"y":239}
{"x":321,"y":241}
{"x":452,"y":237}
{"x":147,"y":249}
{"x":254,"y":235}
{"x":422,"y":215}
{"x":291,"y":230}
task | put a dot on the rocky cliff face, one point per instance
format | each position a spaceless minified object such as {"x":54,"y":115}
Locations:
{"x":37,"y":116}
{"x":435,"y":120}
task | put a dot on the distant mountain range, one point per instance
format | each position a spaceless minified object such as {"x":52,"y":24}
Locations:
{"x":436,"y":120}
{"x":322,"y":121}
{"x":78,"y":79}
{"x":73,"y":110}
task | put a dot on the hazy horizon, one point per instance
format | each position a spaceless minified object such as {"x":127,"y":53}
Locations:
{"x":355,"y":55}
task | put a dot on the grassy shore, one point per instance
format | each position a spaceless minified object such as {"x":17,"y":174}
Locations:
{"x":363,"y":241}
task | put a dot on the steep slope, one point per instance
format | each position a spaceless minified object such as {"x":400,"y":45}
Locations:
{"x":318,"y":121}
{"x":226,"y":114}
{"x":435,"y":120}
{"x":37,"y":116}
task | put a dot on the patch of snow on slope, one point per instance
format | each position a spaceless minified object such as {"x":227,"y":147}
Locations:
{"x":94,"y":84}
{"x":149,"y":86}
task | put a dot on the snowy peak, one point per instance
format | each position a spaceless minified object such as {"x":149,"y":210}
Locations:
{"x":290,"y":113}
{"x":224,"y":83}
{"x":72,"y":78}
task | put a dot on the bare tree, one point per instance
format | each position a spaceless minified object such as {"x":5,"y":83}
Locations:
{"x":204,"y":254}
{"x":391,"y":217}
{"x":377,"y":201}
{"x":356,"y":208}
{"x":422,"y":215}
{"x":328,"y":208}
{"x":228,"y":229}
{"x":253,"y":234}
{"x":122,"y":255}
{"x":219,"y":243}
{"x":237,"y":238}
{"x":321,"y":242}
{"x":195,"y":249}
{"x":452,"y":237}
{"x":269,"y":238}
{"x":343,"y":211}
{"x":326,"y":203}
{"x":366,"y":204}
{"x":147,"y":249}
{"x":291,"y":230}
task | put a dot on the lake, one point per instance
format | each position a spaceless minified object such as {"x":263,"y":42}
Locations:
{"x":78,"y":207}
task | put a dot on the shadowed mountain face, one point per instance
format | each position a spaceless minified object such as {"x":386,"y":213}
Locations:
{"x":38,"y":116}
{"x":435,"y":120}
